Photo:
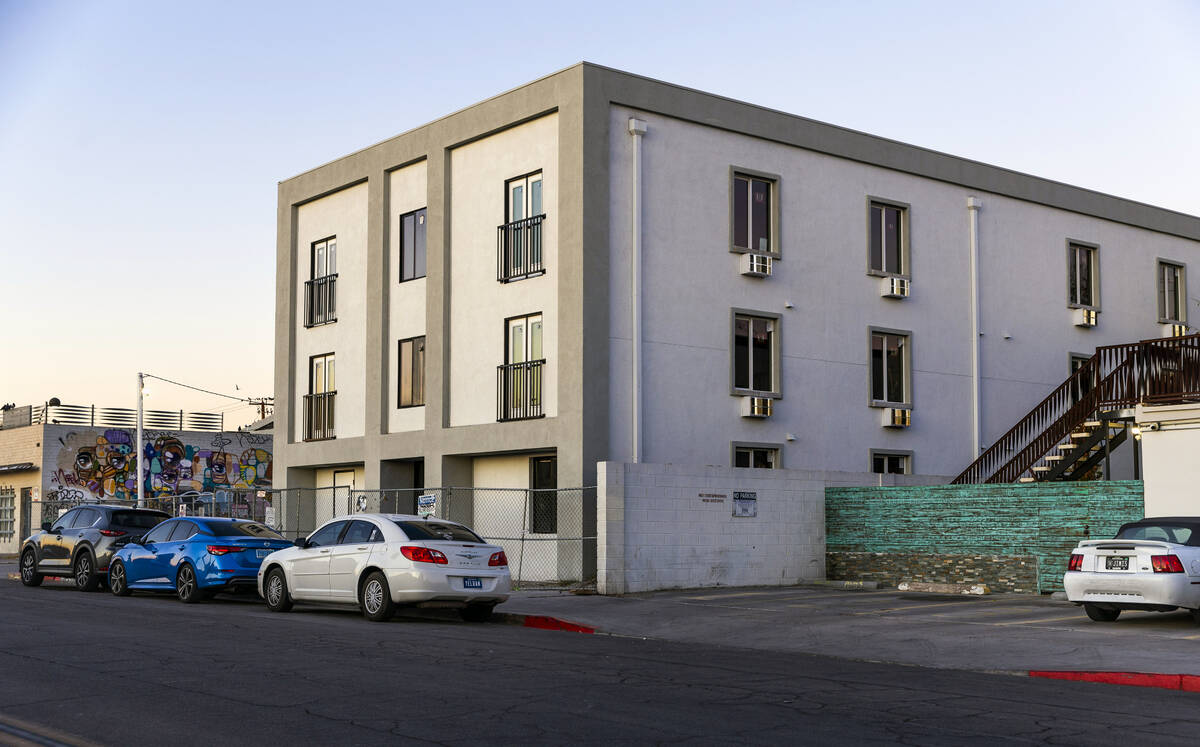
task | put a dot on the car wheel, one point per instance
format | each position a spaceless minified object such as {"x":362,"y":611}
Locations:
{"x":376,"y":598}
{"x":84,"y":571}
{"x":476,"y":613}
{"x":118,"y":582}
{"x":276,"y":592}
{"x":186,"y":587}
{"x":1100,"y":614}
{"x":29,"y":573}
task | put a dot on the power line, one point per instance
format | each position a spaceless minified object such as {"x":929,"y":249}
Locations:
{"x":198,"y":389}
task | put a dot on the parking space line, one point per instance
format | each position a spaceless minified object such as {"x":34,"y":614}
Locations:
{"x":908,"y":607}
{"x":1022,"y":609}
{"x":1076,"y":616}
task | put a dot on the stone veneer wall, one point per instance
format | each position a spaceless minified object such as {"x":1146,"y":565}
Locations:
{"x":971,"y":533}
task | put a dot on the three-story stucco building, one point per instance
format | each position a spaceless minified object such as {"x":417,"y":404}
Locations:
{"x":598,"y":266}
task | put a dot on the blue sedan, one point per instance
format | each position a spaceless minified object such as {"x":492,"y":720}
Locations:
{"x":195,"y":557}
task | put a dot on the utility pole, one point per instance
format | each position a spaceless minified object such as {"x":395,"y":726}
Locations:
{"x":140,"y":469}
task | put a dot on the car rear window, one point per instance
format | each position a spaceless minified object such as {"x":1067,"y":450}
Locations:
{"x":437,"y":531}
{"x":1177,"y":533}
{"x":138,"y":519}
{"x":242,"y":529}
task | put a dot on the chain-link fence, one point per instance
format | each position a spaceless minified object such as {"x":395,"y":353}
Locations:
{"x":544,"y":533}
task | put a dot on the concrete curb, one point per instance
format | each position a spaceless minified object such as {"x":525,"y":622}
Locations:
{"x":1185,"y":682}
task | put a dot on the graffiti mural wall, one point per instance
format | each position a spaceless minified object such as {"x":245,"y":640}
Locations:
{"x":85,"y":464}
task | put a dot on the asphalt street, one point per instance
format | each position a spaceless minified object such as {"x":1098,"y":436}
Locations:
{"x":149,"y":670}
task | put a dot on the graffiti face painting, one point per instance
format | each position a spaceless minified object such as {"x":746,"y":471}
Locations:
{"x":102,"y":465}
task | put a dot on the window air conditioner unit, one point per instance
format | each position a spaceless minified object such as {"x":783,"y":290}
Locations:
{"x":756,"y":265}
{"x":894,"y":417}
{"x":756,"y":407}
{"x":1084,"y":317}
{"x":894,"y":288}
{"x":1174,"y":329}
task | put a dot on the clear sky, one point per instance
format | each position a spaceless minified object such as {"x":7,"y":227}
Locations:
{"x":141,"y":142}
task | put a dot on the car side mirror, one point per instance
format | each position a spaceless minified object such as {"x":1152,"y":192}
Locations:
{"x":301,"y":542}
{"x":46,"y":526}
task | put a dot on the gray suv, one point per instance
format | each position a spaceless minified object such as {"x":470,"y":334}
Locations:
{"x":79,"y":543}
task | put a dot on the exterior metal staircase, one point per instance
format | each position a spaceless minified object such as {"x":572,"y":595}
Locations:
{"x":1071,"y":431}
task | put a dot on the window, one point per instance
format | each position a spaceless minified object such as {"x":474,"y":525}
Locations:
{"x":1083,"y":384}
{"x":361,"y":532}
{"x":1083,"y":276}
{"x":319,"y":403}
{"x":519,"y":244}
{"x":320,"y":293}
{"x":183,"y":530}
{"x":412,"y":372}
{"x":752,"y":213}
{"x":159,"y":533}
{"x":543,"y":498}
{"x":436,"y":530}
{"x":327,"y":535}
{"x":1172,"y":292}
{"x":86,"y":518}
{"x":520,"y":378}
{"x":889,"y":238}
{"x":891,"y":462}
{"x":890,"y":365}
{"x":754,"y":355}
{"x":243,"y":529}
{"x":8,"y":512}
{"x":412,"y":245}
{"x":756,"y":457}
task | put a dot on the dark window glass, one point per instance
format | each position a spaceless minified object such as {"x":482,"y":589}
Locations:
{"x":741,"y":353}
{"x":1169,"y":292}
{"x":85,"y":518}
{"x":182,"y":530}
{"x":437,"y":531}
{"x":876,"y":238}
{"x":138,"y":519}
{"x":887,"y":238}
{"x":64,"y":521}
{"x":891,"y":234}
{"x":761,"y":361}
{"x":1081,"y":275}
{"x":327,"y":535}
{"x":543,"y":499}
{"x":359,"y":532}
{"x":888,"y":367}
{"x":760,"y":216}
{"x":412,"y":372}
{"x":895,"y":368}
{"x":741,"y":458}
{"x":741,"y":213}
{"x":1178,"y":533}
{"x":242,"y":529}
{"x":755,"y":458}
{"x":890,"y":464}
{"x":877,"y":367}
{"x":412,"y":245}
{"x":160,"y":532}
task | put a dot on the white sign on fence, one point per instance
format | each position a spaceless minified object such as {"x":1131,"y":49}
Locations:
{"x":183,"y":509}
{"x":426,"y":504}
{"x":269,"y":516}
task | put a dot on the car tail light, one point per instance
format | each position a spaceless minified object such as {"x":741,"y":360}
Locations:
{"x":1075,"y":563}
{"x":223,"y":549}
{"x":498,"y":558}
{"x":112,"y":532}
{"x":1166,"y":564}
{"x":423,"y":555}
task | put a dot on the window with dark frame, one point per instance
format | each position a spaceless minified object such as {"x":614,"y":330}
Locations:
{"x":319,"y":413}
{"x":412,"y":245}
{"x":320,"y":291}
{"x":1082,"y":274}
{"x":887,"y":239}
{"x":752,"y":217}
{"x":411,"y":369}
{"x":543,"y":496}
{"x":1082,"y":385}
{"x":324,"y":258}
{"x":755,"y":457}
{"x":1171,"y":293}
{"x":519,"y":243}
{"x":519,"y":379}
{"x":889,"y":368}
{"x":753,"y":353}
{"x":888,"y":463}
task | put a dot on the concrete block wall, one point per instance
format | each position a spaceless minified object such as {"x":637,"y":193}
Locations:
{"x":17,"y":446}
{"x":915,"y":531}
{"x":666,"y":526}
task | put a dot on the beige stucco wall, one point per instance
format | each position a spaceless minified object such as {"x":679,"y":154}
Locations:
{"x":19,"y":445}
{"x":1170,"y":441}
{"x":342,"y":214}
{"x":405,"y":301}
{"x":479,"y":304}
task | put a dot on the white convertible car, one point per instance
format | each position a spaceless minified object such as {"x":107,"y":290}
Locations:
{"x":381,"y":561}
{"x":1152,"y":564}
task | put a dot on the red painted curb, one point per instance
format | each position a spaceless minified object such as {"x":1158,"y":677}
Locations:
{"x":1186,"y":682}
{"x":541,"y":622}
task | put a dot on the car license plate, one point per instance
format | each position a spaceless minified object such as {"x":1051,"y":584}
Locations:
{"x":1116,"y":564}
{"x":472,"y":583}
{"x":263,"y":553}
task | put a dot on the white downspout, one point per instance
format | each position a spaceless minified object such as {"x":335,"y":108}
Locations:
{"x":973,"y":206}
{"x":637,"y":128}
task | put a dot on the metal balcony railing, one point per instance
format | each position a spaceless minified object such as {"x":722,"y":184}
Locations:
{"x":320,"y":300}
{"x":519,"y":390}
{"x":111,"y":417}
{"x":319,"y":416}
{"x":519,"y":249}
